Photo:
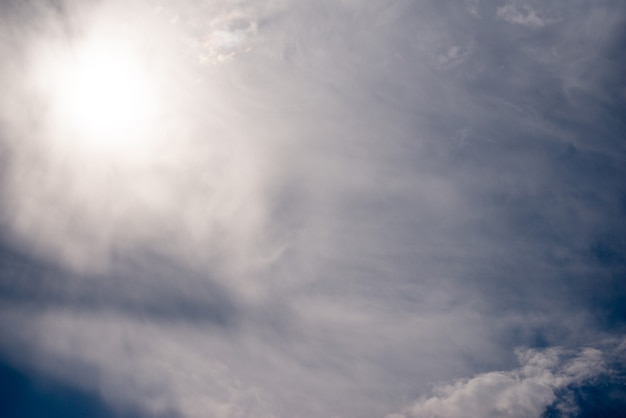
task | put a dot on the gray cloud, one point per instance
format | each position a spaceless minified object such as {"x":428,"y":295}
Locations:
{"x":336,"y":206}
{"x":522,"y":13}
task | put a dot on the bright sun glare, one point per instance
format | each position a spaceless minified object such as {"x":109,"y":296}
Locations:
{"x":104,"y":98}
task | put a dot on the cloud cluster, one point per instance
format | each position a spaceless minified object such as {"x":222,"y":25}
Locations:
{"x":525,"y":392}
{"x":522,"y":13}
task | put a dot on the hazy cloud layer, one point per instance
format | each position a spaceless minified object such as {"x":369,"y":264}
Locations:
{"x":334,"y":208}
{"x":523,"y":392}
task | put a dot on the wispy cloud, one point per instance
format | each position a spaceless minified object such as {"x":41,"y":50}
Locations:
{"x":337,"y":207}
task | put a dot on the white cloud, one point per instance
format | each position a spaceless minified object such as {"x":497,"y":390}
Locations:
{"x":520,"y":393}
{"x":522,"y":14}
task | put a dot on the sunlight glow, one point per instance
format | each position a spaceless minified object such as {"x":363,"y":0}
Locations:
{"x":104,"y":98}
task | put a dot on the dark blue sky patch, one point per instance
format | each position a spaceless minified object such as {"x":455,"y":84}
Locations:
{"x":25,"y":394}
{"x":604,"y":397}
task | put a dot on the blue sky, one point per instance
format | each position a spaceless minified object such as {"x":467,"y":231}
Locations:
{"x":393,"y":208}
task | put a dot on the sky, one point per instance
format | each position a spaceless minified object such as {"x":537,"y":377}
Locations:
{"x":303,"y":209}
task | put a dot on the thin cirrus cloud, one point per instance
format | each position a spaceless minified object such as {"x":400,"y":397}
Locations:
{"x":334,"y":209}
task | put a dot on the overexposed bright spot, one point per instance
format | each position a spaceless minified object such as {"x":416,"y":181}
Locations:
{"x":107,"y":94}
{"x":104,"y":98}
{"x":130,"y":143}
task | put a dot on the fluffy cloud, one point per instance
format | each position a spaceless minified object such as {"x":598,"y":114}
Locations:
{"x":525,"y":392}
{"x":522,"y":14}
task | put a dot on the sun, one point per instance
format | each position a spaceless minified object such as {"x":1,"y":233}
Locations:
{"x":104,"y":98}
{"x":107,"y":93}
